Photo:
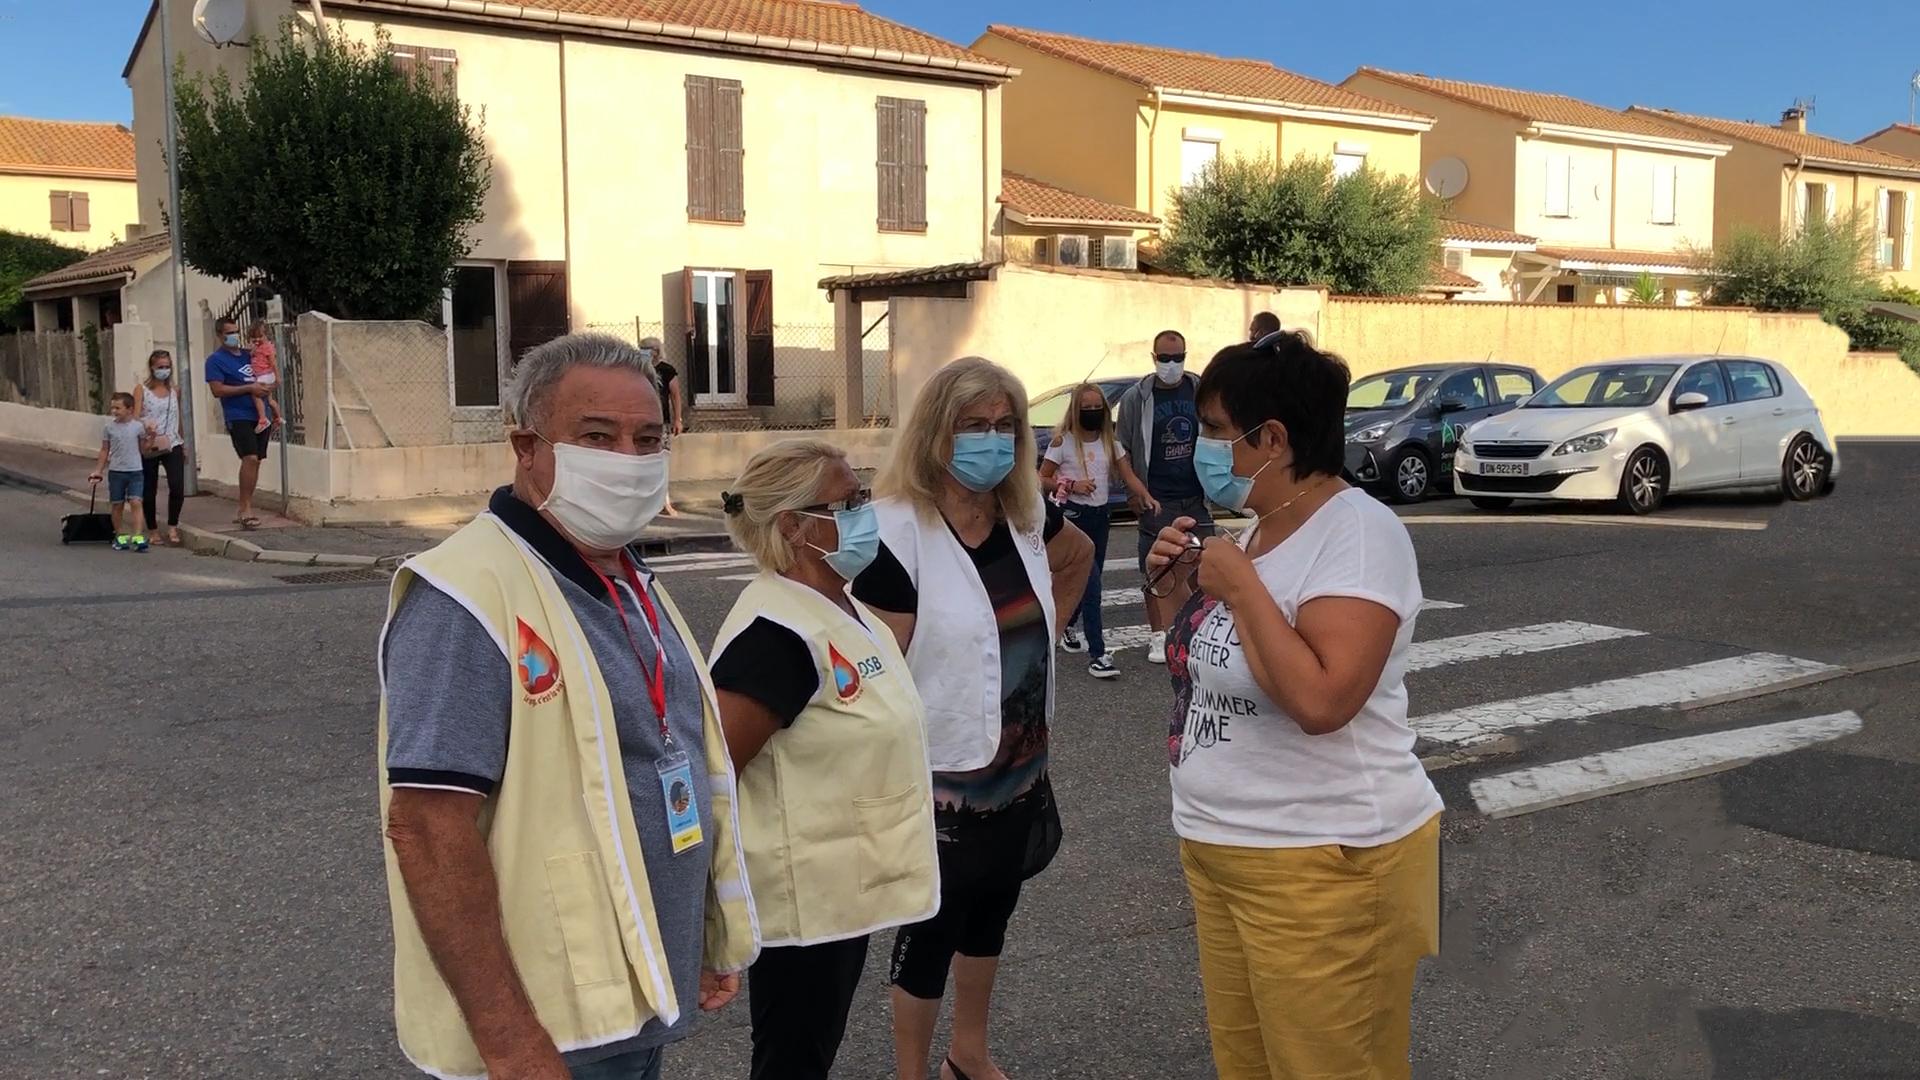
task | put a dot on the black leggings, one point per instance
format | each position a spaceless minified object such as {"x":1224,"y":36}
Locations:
{"x":972,"y":921}
{"x":798,"y":997}
{"x":175,"y":461}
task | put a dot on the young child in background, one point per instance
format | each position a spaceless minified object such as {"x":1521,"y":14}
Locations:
{"x":266,"y":370}
{"x":120,"y":464}
{"x":1080,"y":466}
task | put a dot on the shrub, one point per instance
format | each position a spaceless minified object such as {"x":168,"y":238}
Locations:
{"x":1251,"y":220}
{"x":23,"y":258}
{"x":349,"y":185}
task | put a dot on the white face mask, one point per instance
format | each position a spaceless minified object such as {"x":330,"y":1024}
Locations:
{"x":603,"y":499}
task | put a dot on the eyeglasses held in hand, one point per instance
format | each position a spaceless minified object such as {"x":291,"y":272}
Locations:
{"x":1187,"y":557}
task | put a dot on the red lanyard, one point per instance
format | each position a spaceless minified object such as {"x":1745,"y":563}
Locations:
{"x":657,"y":678}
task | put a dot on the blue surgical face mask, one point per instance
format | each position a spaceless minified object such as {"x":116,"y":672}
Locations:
{"x":981,"y":459}
{"x":1213,"y":464}
{"x":163,"y":373}
{"x":859,"y":540}
{"x":232,"y":341}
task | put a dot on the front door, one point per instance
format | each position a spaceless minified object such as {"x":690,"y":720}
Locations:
{"x":713,"y":359}
{"x":537,"y":305}
{"x":1706,"y":441}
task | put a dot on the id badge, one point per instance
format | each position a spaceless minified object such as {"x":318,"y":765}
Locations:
{"x":683,"y":808}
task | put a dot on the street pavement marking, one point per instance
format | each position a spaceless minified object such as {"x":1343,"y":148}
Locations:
{"x":1541,"y":787}
{"x":1644,"y":521}
{"x":1514,"y":641}
{"x":1665,"y":688}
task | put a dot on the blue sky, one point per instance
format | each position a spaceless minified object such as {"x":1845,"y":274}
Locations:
{"x":1743,"y":59}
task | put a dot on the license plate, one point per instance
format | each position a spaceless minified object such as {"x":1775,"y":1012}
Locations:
{"x":1503,"y":468}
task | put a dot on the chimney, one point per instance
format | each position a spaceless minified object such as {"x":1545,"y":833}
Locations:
{"x":1794,"y":119}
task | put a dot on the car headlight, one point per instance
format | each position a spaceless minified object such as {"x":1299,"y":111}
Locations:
{"x":1369,"y":434}
{"x":1585,"y":444}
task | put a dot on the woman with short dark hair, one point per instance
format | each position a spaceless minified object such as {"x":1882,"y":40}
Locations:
{"x":1309,"y":832}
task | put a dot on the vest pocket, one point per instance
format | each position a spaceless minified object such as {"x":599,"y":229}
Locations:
{"x":584,"y":911}
{"x":892,"y":840}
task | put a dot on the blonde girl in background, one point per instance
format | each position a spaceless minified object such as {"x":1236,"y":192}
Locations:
{"x":1084,"y":460}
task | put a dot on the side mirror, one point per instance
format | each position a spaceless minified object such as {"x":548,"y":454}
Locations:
{"x":1692,"y":399}
{"x":1452,"y":405}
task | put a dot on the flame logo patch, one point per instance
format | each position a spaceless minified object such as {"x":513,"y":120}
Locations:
{"x":538,"y":668}
{"x":846,"y":677}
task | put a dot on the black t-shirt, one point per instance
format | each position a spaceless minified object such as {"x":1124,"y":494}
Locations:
{"x":1026,"y":653}
{"x":667,"y":373}
{"x":772,"y":665}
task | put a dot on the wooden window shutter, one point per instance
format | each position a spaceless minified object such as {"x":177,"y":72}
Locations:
{"x":82,"y":215}
{"x":887,"y":121}
{"x":913,"y":165}
{"x":405,"y":59}
{"x":730,"y":141}
{"x":442,"y":70}
{"x":700,"y":148}
{"x":60,"y":211}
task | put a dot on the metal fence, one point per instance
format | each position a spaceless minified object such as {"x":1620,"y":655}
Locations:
{"x":53,"y":371}
{"x":782,"y":382}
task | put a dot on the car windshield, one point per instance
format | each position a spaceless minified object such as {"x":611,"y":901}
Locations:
{"x":1391,"y":390}
{"x":1047,"y":410}
{"x":1610,"y":386}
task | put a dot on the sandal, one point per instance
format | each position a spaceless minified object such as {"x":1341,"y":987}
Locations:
{"x":249,"y":522}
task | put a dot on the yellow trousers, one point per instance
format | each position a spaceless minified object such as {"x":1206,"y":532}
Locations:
{"x":1307,"y":955}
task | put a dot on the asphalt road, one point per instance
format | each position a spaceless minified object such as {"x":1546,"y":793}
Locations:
{"x":194,"y":885}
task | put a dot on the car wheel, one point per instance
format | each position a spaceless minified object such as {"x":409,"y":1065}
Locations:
{"x":1803,"y":475}
{"x":1409,"y":476}
{"x":1489,"y":502}
{"x":1643,"y":484}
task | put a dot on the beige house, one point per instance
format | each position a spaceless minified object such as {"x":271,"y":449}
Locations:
{"x":1900,"y":139}
{"x":69,"y":182}
{"x":1127,"y":124}
{"x":1485,"y":257}
{"x":680,"y":170}
{"x":1605,"y":196}
{"x":1778,"y":176}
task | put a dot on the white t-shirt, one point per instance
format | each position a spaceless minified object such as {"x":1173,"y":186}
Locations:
{"x":1098,"y":468}
{"x":1245,"y":774}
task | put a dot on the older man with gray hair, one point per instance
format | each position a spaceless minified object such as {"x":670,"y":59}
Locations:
{"x":563,"y":856}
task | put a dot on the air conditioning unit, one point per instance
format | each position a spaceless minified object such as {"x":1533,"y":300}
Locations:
{"x":1456,"y":260}
{"x":1115,"y":253}
{"x":1069,"y":251}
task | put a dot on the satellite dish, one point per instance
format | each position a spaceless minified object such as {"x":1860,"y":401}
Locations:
{"x":221,"y":22}
{"x":1447,"y":177}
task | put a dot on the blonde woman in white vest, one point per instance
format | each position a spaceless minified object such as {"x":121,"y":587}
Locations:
{"x":824,"y":726}
{"x":968,"y":543}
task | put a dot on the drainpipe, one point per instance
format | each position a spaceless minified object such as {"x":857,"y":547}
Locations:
{"x":1153,"y":190}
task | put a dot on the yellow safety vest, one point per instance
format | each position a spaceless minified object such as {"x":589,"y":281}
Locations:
{"x":836,"y":811}
{"x":574,"y":901}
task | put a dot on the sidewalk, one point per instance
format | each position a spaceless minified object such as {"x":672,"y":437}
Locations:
{"x":208,"y":525}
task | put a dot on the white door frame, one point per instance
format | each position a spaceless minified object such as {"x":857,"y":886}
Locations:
{"x":711,"y":360}
{"x":500,"y":338}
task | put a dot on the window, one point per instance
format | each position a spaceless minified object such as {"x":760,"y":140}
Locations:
{"x":472,"y":318}
{"x":1195,"y":156}
{"x":1513,"y":386}
{"x":1703,"y":379}
{"x":712,"y":361}
{"x":1566,"y":294}
{"x":1752,"y":380}
{"x":1393,"y":390}
{"x":69,"y":211}
{"x":437,"y":67}
{"x":1893,"y":230}
{"x":903,"y":164}
{"x":1346,"y":163}
{"x":1467,"y":386}
{"x":1666,"y":192}
{"x":716,"y":186}
{"x":1605,"y":386}
{"x":1816,"y":202}
{"x":1559,"y":191}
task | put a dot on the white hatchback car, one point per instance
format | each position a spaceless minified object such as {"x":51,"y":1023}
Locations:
{"x":1633,"y":431}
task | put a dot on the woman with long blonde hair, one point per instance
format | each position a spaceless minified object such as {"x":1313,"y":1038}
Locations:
{"x":968,"y":541}
{"x":1080,"y":466}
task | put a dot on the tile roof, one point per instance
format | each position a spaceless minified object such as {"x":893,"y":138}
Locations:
{"x":1539,"y":107}
{"x":1799,"y":144}
{"x":795,"y":25}
{"x":1038,"y":199}
{"x":1175,"y":69}
{"x":122,"y":259}
{"x":65,"y":148}
{"x":1472,"y":232}
{"x":1441,"y":279}
{"x":925,"y":275}
{"x":1622,"y":258}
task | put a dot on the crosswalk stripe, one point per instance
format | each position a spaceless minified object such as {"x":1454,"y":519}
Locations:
{"x":1514,"y":641}
{"x":1523,"y":791}
{"x":1672,"y":686}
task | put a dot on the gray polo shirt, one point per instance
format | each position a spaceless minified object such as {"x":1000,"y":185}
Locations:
{"x":450,"y":700}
